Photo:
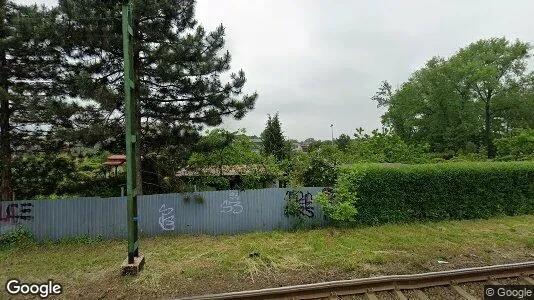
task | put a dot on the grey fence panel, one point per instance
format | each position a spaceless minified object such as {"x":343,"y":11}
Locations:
{"x":151,"y":207}
{"x":218,"y":212}
{"x":109,"y":217}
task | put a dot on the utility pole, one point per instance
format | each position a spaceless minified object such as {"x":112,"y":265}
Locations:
{"x":134,"y":263}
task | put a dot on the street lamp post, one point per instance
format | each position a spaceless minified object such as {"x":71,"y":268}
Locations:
{"x":332,"y":127}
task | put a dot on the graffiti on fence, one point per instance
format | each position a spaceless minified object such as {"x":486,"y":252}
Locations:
{"x":233,"y":204}
{"x":166,"y":219}
{"x":305,"y":201}
{"x":14,"y":211}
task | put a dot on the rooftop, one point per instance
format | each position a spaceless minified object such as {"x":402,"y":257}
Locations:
{"x":224,"y":170}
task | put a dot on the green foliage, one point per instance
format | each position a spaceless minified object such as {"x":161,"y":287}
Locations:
{"x":320,"y":168}
{"x":384,"y":147}
{"x":19,"y":237}
{"x":32,"y":112}
{"x":322,"y":171}
{"x":338,"y":207}
{"x":454,"y":103}
{"x":211,"y":182}
{"x":169,"y":94}
{"x":66,"y":175}
{"x":343,"y":142}
{"x":96,"y":187}
{"x":383,"y":193}
{"x":221,"y":147}
{"x":55,"y":196}
{"x":180,"y":87}
{"x":41,"y":174}
{"x":293,"y":168}
{"x":292,"y":207}
{"x":195,"y":197}
{"x":518,"y":146}
{"x":273,"y":140}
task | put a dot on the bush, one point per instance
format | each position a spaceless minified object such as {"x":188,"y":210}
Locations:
{"x":321,"y":169}
{"x":16,"y":238}
{"x":292,"y":208}
{"x":40,"y":174}
{"x":385,"y":148}
{"x":95,"y":187}
{"x":518,"y":146}
{"x":339,"y":207}
{"x":404,"y":193}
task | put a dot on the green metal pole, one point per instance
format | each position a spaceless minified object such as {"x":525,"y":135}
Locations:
{"x":131,"y":189}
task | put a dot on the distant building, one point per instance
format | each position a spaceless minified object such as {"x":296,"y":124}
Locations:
{"x":296,"y":146}
{"x":115,"y":161}
{"x":304,"y":145}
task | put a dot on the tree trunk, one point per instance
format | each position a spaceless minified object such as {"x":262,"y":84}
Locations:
{"x":487,"y":133}
{"x":6,"y":185}
{"x":6,"y":188}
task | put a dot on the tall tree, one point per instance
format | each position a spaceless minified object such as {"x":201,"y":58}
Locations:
{"x":492,"y":68}
{"x":180,"y":68}
{"x":470,"y":98}
{"x":273,"y":139}
{"x":32,"y":109}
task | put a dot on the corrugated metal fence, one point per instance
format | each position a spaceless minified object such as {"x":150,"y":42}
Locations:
{"x":220,"y":212}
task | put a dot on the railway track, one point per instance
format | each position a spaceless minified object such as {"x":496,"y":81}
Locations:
{"x":396,"y":286}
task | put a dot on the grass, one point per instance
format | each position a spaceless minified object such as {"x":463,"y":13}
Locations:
{"x":185,"y":265}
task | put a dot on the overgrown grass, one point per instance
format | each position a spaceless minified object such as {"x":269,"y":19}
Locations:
{"x":184,"y":265}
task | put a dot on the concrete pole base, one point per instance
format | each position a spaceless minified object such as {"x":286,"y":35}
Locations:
{"x":135,"y":268}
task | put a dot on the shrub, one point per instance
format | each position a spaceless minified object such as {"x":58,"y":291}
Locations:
{"x":40,"y":174}
{"x":340,"y":206}
{"x":518,"y":146}
{"x":322,"y":167}
{"x":96,"y":187}
{"x":385,"y":147}
{"x":17,"y":238}
{"x":383,"y":193}
{"x":292,"y":209}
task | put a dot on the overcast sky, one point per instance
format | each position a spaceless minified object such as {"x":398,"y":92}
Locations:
{"x":318,"y":62}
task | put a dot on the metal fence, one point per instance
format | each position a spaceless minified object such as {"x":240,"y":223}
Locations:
{"x":220,"y":212}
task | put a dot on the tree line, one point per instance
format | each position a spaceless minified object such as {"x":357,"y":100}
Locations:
{"x":62,"y":110}
{"x":465,"y":102}
{"x":61,"y":81}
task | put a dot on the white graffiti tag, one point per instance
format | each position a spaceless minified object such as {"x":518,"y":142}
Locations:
{"x":166,"y":220}
{"x":233,"y":204}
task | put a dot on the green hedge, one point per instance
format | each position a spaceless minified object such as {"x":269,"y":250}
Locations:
{"x":429,"y":192}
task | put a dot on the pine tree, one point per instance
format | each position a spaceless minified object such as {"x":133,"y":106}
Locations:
{"x":32,"y":109}
{"x":179,"y":69}
{"x":273,"y":139}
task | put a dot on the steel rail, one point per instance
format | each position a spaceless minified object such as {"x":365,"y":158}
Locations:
{"x":382,"y":283}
